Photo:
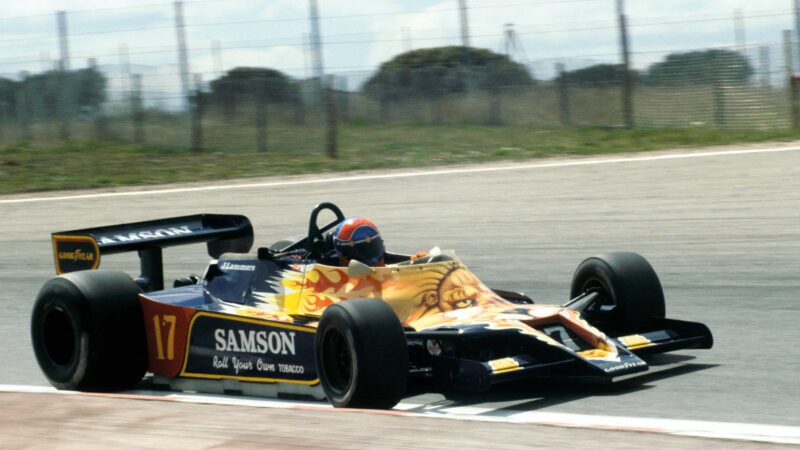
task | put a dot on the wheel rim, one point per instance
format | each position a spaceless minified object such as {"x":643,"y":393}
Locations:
{"x":337,"y":361}
{"x":606,"y":297}
{"x":58,"y":336}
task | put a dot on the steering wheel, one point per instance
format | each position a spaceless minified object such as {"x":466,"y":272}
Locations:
{"x":316,"y":238}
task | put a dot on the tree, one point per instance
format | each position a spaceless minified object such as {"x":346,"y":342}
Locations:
{"x":700,"y":67}
{"x":596,"y":76}
{"x":253,"y":83}
{"x":90,"y":86}
{"x":8,"y":90}
{"x":85,"y":88}
{"x":436,"y":72}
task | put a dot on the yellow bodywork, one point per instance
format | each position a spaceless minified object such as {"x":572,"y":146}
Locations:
{"x":424,"y":296}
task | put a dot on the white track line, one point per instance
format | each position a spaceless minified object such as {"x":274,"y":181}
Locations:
{"x":453,"y":171}
{"x":691,"y":428}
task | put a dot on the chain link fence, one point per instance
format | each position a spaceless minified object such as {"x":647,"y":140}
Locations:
{"x":142,"y":105}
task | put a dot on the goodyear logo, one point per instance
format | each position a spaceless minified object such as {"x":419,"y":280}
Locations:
{"x":73,"y":253}
{"x":76,"y":255}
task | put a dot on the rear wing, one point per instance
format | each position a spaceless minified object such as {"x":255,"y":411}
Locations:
{"x":82,"y":249}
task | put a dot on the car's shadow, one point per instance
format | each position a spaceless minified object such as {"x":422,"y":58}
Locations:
{"x":534,"y":394}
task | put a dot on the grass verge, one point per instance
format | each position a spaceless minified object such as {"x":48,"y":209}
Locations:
{"x":26,"y":167}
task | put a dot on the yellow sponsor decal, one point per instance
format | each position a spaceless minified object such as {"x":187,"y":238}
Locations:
{"x":504,"y":365}
{"x":635,"y":341}
{"x":597,"y":353}
{"x":75,"y":252}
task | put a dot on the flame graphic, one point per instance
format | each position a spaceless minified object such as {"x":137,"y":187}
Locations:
{"x":424,"y":297}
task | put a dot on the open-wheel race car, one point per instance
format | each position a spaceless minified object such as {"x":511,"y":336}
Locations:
{"x":290,"y":320}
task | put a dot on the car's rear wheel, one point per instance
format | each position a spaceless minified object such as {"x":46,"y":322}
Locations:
{"x":88,"y":333}
{"x":361,"y":355}
{"x":629,"y":290}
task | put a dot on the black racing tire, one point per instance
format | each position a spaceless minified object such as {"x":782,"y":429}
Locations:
{"x":88,"y":332}
{"x":362,"y":355}
{"x":628,"y":285}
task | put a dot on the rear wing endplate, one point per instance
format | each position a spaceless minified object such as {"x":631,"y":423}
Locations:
{"x":82,"y":249}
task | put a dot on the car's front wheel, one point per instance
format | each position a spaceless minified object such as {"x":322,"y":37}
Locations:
{"x":629,"y":291}
{"x":362,"y":355}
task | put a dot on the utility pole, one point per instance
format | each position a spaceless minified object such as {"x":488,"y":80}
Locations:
{"x":408,"y":44}
{"x":183,"y":58}
{"x":137,"y":110}
{"x":306,"y":43}
{"x":738,"y":30}
{"x":44,"y":61}
{"x":792,"y":84}
{"x":66,"y":93}
{"x":763,"y":59}
{"x":627,"y":79}
{"x":462,"y":7}
{"x":797,"y":24}
{"x":316,"y":50}
{"x":63,"y":44}
{"x":788,"y":66}
{"x":324,"y":86}
{"x":508,"y":34}
{"x":125,"y":71}
{"x":513,"y":46}
{"x":197,"y":114}
{"x":216,"y":56}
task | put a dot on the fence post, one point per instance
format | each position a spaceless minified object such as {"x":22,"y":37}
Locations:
{"x":719,"y":96}
{"x":789,"y":71}
{"x":794,"y":83}
{"x":342,"y":98}
{"x":196,"y":112}
{"x":100,"y":121}
{"x":495,"y":106}
{"x":564,"y":112}
{"x":22,"y":99}
{"x":137,"y":111}
{"x":261,"y":117}
{"x":787,"y":54}
{"x":627,"y":76}
{"x":21,"y":119}
{"x":763,"y":61}
{"x":300,"y":111}
{"x":331,"y":136}
{"x":65,"y":77}
{"x":383,"y":105}
{"x":65,"y":104}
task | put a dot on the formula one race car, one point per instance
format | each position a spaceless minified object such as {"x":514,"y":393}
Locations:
{"x":289,"y":320}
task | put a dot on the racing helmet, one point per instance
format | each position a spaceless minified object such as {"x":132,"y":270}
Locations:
{"x":358,"y":238}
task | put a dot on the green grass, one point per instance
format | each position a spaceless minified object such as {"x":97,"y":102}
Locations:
{"x":26,"y":167}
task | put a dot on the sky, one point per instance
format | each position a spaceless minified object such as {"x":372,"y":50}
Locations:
{"x":358,"y":36}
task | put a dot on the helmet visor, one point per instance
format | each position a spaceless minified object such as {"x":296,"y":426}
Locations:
{"x":368,"y":251}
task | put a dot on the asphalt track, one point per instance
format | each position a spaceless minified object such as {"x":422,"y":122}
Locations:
{"x":721,"y":227}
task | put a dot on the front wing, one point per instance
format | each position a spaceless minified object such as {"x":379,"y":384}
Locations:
{"x":475,"y":358}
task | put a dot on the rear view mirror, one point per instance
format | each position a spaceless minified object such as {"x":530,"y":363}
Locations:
{"x":357,"y":269}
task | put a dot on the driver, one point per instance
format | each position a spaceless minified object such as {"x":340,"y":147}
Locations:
{"x":358,"y":238}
